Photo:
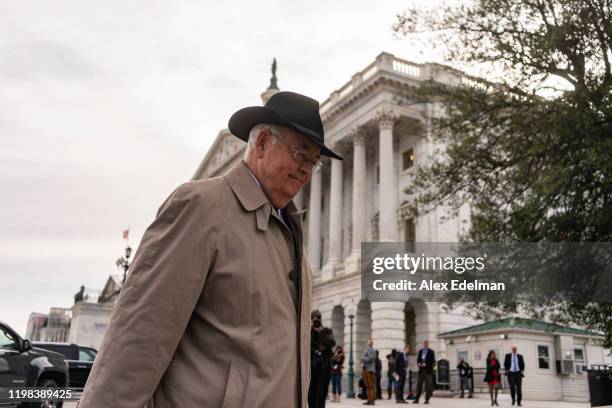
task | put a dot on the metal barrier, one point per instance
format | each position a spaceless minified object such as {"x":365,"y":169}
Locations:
{"x":477,"y":381}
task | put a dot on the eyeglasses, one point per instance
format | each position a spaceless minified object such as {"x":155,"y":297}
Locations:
{"x":304,"y":160}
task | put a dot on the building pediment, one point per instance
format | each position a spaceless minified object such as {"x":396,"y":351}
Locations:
{"x":224,"y":151}
{"x":111,"y":289}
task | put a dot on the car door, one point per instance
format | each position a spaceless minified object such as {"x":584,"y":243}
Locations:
{"x":12,"y":372}
{"x":80,"y":373}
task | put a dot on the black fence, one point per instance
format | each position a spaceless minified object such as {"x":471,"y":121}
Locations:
{"x":477,"y":381}
{"x":600,"y":385}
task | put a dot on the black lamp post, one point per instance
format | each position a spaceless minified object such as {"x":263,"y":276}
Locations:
{"x":351,"y":371}
{"x":124,"y":262}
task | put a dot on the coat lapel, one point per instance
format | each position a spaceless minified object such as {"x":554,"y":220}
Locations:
{"x":249,"y":194}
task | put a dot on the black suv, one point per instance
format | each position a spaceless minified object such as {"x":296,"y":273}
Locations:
{"x":79,"y":359}
{"x":21,"y":365}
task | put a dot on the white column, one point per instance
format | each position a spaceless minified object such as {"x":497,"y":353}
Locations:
{"x":387,"y":187}
{"x":314,"y":221}
{"x":335,"y":212}
{"x":388,"y":328}
{"x":359,"y":190}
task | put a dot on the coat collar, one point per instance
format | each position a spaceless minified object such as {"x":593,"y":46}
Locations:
{"x":252,"y":198}
{"x":246,"y":189}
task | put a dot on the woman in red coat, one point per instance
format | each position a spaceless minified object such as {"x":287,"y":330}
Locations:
{"x":493,"y":377}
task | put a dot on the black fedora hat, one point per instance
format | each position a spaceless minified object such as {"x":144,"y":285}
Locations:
{"x":288,"y":109}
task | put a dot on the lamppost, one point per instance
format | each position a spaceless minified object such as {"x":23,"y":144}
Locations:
{"x":351,"y":372}
{"x":124,"y":262}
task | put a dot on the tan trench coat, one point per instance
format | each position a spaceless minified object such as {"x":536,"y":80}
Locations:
{"x":208,"y":316}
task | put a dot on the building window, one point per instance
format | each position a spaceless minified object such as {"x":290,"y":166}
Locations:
{"x":322,"y":253}
{"x":408,"y":159}
{"x":7,"y":341}
{"x":462,"y":354}
{"x":375,"y":227}
{"x":579,"y":356}
{"x":410,"y":327}
{"x":409,"y":235}
{"x":543,"y":357}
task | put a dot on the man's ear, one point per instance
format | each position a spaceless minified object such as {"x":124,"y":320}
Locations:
{"x":262,"y":141}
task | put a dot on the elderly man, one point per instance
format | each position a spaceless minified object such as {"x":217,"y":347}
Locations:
{"x":514,"y":364}
{"x":215,"y":311}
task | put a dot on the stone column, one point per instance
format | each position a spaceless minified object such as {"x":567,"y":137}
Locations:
{"x":388,"y":328}
{"x":314,"y":221}
{"x":335,"y":219}
{"x":359,"y":190}
{"x":335,"y":213}
{"x":387,"y":188}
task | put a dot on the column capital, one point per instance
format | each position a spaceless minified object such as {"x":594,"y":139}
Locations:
{"x":340,"y":147}
{"x":386,"y":118}
{"x":358,"y":135}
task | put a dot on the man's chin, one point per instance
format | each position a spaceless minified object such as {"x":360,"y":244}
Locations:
{"x":293,"y":189}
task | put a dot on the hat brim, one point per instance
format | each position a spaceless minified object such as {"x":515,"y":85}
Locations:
{"x":241,"y":123}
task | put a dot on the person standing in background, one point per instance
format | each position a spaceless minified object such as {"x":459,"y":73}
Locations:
{"x":390,"y":371}
{"x":378,"y":376}
{"x":321,"y":345}
{"x":336,"y":373}
{"x":426,"y":359}
{"x":515,"y":366}
{"x":493,"y":377}
{"x":463,"y":369}
{"x":401,"y":370}
{"x":368,"y":362}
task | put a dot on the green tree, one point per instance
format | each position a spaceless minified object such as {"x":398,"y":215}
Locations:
{"x":531,"y":150}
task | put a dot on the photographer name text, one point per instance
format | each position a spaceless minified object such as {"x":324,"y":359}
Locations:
{"x":431,"y":285}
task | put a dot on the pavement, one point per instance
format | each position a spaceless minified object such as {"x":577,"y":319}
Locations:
{"x":479,"y":401}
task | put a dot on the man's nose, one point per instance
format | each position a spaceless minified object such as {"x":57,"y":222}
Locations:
{"x":306,"y":170}
{"x":306,"y":166}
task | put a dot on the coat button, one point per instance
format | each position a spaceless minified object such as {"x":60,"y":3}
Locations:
{"x":291,"y":275}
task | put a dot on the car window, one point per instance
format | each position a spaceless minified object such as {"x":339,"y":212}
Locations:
{"x":86,"y":354}
{"x":64,"y":349}
{"x":7,"y":341}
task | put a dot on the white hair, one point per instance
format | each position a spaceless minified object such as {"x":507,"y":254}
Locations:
{"x":274,"y":130}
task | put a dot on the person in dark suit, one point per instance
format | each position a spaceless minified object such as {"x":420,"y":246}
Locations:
{"x":391,"y":383}
{"x":493,"y":377}
{"x":426,"y":359}
{"x":378,"y":376}
{"x":401,"y":368}
{"x":463,"y":368}
{"x":515,"y":366}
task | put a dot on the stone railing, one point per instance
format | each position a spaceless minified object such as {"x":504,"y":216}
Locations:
{"x":384,"y":62}
{"x":88,"y":296}
{"x":475,"y":83}
{"x":390,"y":64}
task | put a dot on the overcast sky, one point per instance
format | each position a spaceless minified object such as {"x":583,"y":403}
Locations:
{"x":105,"y":107}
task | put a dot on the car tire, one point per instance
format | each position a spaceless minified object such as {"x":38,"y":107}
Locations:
{"x":44,"y":383}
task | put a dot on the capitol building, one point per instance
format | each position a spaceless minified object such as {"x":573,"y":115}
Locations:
{"x":384,"y":137}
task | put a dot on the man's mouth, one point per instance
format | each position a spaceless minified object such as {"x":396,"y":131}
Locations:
{"x":297,"y":179}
